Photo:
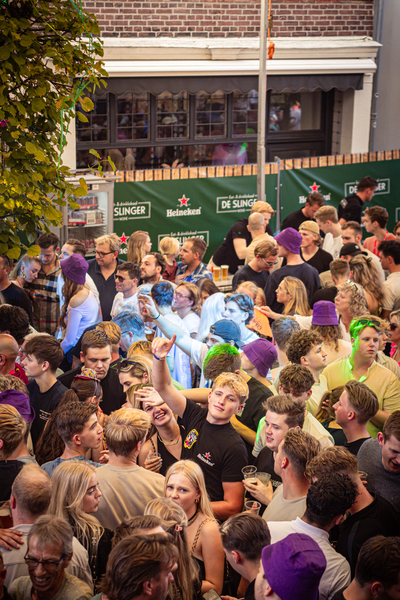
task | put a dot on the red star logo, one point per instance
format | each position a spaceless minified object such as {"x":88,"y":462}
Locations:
{"x":207,"y":454}
{"x":184,"y":201}
{"x":123,"y":239}
{"x":314,"y":187}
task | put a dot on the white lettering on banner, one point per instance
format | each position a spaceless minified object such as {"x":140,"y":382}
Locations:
{"x":182,"y":236}
{"x":187,"y":212}
{"x":124,"y":211}
{"x":303,"y":199}
{"x":383,"y":187}
{"x":235,"y":203}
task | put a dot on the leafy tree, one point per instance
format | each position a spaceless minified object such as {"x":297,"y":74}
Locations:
{"x":45,"y":66}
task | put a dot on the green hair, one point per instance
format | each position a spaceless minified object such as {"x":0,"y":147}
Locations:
{"x":219,"y":349}
{"x":358,"y":325}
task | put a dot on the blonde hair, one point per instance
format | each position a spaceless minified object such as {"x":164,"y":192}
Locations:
{"x":136,"y":243}
{"x":249,"y":286}
{"x":195,"y":295}
{"x":111,"y":239}
{"x":358,"y":299}
{"x":260,"y":206}
{"x":174,"y":521}
{"x":70,"y":482}
{"x":124,"y":429}
{"x":26,"y":261}
{"x":235,"y":383}
{"x":298,"y":304}
{"x":142,"y":365}
{"x":367,"y":275}
{"x":12,"y":430}
{"x":141,"y":347}
{"x":194,"y":473}
{"x":169,"y":246}
{"x":112,"y":331}
{"x":327,"y":213}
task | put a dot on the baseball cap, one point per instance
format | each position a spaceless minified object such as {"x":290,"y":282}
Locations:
{"x":290,"y":239}
{"x":262,"y":354}
{"x":294,"y":566}
{"x":75,"y":268}
{"x":20,"y":401}
{"x":227,"y":329}
{"x":324,"y":313}
{"x":310,"y":226}
{"x":351,"y":249}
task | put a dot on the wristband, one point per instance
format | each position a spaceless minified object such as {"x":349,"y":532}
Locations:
{"x":157,"y":317}
{"x":156,"y":357}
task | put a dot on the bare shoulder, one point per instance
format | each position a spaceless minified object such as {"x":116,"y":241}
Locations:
{"x":79,"y":298}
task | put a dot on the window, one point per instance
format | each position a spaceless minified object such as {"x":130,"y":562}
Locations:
{"x":133,"y":117}
{"x":210,"y":114}
{"x":172,"y":115}
{"x":295,"y":112}
{"x":97,"y":127}
{"x":245,"y":108}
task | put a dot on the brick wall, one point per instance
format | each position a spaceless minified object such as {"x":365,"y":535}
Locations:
{"x":216,"y":18}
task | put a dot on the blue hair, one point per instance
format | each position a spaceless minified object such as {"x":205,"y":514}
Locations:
{"x":130,"y":321}
{"x":162,"y":293}
{"x":245,"y":303}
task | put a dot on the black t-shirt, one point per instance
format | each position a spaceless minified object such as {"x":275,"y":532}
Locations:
{"x":167,"y":458}
{"x":295,"y":219}
{"x":265,"y":464}
{"x":253,"y":410}
{"x":307,"y":274}
{"x":339,"y":595}
{"x":105,"y":287}
{"x":225,"y":254}
{"x":320,"y":261}
{"x":44,"y":404}
{"x":354,"y":447}
{"x":218,"y":449}
{"x":16,"y":296}
{"x":328,"y":294}
{"x":379,"y":518}
{"x":9,"y":469}
{"x":249,"y":593}
{"x":350,"y":208}
{"x":246,"y":273}
{"x":113,"y":393}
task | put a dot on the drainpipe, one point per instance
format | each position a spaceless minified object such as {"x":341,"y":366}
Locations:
{"x":379,"y":9}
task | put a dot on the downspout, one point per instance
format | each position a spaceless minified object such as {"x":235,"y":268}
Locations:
{"x":379,"y":9}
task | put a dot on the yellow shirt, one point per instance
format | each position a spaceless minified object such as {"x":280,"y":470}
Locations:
{"x":379,"y":379}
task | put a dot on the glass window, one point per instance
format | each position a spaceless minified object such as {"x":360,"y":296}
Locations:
{"x":295,"y":111}
{"x":172,"y":115}
{"x":245,"y":107}
{"x":133,"y":117}
{"x":211,"y":114}
{"x":97,"y":126}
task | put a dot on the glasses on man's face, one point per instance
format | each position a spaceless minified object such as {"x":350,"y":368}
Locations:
{"x":370,"y":323}
{"x":270,"y":264}
{"x":49,"y":565}
{"x":103,"y":254}
{"x":126,"y":365}
{"x":393,"y":327}
{"x":178,"y":295}
{"x":119,"y":278}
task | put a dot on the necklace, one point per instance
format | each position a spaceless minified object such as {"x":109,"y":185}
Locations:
{"x":173,"y":441}
{"x":192,"y":519}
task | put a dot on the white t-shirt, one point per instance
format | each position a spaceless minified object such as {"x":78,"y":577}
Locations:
{"x":332,"y":245}
{"x":391,"y":289}
{"x":192,"y":322}
{"x":181,"y":370}
{"x":89,"y":283}
{"x":119,"y":301}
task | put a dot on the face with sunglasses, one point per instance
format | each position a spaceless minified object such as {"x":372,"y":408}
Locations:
{"x":124,"y":284}
{"x":393,"y":332}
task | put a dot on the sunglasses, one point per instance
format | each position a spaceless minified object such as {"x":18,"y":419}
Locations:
{"x":119,"y":278}
{"x":126,"y":365}
{"x":393,"y":327}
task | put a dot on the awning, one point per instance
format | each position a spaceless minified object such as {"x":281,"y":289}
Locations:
{"x":244,"y":83}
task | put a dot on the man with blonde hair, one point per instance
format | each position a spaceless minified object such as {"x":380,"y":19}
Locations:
{"x":265,"y":258}
{"x":355,"y":407}
{"x":369,"y":514}
{"x":103,"y":268}
{"x":210,"y":440}
{"x":328,"y":222}
{"x":126,"y":487}
{"x":232,"y":251}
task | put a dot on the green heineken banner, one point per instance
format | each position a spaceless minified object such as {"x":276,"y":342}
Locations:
{"x":341,"y":180}
{"x":183,"y":208}
{"x":207,"y":207}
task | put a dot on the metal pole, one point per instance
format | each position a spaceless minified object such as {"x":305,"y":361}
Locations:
{"x":278,"y":194}
{"x":262,"y":102}
{"x":378,"y":34}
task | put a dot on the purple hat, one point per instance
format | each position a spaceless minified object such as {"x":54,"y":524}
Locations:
{"x":262,"y":354}
{"x":227,"y":329}
{"x":324,"y":313}
{"x":294,"y":566}
{"x":75,"y":268}
{"x":20,"y":401}
{"x":290,"y":239}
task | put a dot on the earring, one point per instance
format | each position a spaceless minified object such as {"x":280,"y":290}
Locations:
{"x":23,"y":275}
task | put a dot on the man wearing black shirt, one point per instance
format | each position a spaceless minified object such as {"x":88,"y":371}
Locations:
{"x":310,"y":250}
{"x":43,"y":355}
{"x":340,"y":273}
{"x":103,"y":268}
{"x":210,"y":438}
{"x":243,"y":538}
{"x":12,"y":293}
{"x":232,"y":251}
{"x":258,"y":269}
{"x":350,"y":208}
{"x":314,"y":201}
{"x":96,"y":355}
{"x":355,"y":407}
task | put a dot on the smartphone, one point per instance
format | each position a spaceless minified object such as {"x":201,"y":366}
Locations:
{"x":211,"y":595}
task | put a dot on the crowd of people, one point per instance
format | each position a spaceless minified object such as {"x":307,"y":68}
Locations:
{"x":155,"y":443}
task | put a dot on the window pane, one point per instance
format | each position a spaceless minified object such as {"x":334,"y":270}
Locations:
{"x":245,"y":108}
{"x":211,"y":114}
{"x":133,"y":116}
{"x":172,"y":115}
{"x":295,"y":112}
{"x":97,"y":126}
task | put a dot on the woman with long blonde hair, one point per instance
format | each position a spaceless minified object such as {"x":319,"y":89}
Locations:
{"x":139,"y":245}
{"x":134,"y":370}
{"x":185,"y":485}
{"x":174,"y":521}
{"x":26,"y":270}
{"x":292,"y":293}
{"x":75,"y":498}
{"x":366,"y":274}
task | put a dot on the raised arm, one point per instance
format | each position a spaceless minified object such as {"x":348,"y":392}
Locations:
{"x":183,"y":340}
{"x":162,"y":378}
